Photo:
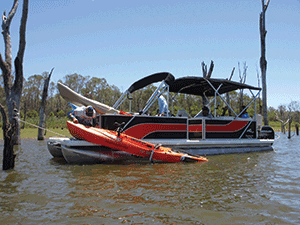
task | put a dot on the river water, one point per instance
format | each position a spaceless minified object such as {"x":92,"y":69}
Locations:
{"x":254,"y":188}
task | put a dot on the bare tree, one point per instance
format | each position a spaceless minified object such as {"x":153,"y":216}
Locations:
{"x":8,"y":151}
{"x":283,"y":116}
{"x":228,"y":97}
{"x":259,"y":96}
{"x":243,"y":77}
{"x":206,"y":75}
{"x":43,"y":106}
{"x":283,"y":124}
{"x":13,"y":89}
{"x":263,"y":61}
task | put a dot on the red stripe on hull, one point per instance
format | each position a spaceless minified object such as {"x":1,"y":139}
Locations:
{"x":231,"y":127}
{"x":141,"y":130}
{"x":195,"y":128}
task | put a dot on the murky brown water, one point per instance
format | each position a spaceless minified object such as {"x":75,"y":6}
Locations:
{"x":258,"y":188}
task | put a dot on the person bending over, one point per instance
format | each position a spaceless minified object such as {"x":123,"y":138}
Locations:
{"x":83,"y":115}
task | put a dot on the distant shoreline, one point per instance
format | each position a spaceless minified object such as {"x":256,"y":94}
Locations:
{"x":64,"y":132}
{"x":33,"y":133}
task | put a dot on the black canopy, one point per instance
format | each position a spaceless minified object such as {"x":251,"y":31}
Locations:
{"x":167,"y":77}
{"x":200,"y":86}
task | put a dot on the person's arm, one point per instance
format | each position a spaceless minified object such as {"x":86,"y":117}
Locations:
{"x":70,"y":114}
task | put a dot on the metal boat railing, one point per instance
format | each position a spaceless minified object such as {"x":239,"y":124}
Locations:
{"x":120,"y":100}
{"x":164,"y":87}
{"x":156,"y":94}
{"x":216,"y":92}
{"x":245,"y":129}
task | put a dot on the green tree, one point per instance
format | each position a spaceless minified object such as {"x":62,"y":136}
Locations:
{"x":75,"y":81}
{"x":32,"y":114}
{"x":61,"y":114}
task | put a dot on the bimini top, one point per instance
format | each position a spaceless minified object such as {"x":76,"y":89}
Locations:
{"x":202,"y":86}
{"x":167,"y":77}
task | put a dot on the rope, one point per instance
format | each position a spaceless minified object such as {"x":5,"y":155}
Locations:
{"x":42,"y":128}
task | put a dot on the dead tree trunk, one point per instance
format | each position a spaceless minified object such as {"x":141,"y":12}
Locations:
{"x":8,"y":132}
{"x":243,"y":77}
{"x":263,"y":61}
{"x":206,"y":75}
{"x":13,"y":89}
{"x":43,"y":106}
{"x":282,"y":124}
{"x":290,"y":125}
{"x":259,"y":96}
{"x":227,"y":94}
{"x":297,"y":129}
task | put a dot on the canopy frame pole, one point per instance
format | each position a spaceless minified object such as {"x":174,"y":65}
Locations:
{"x":217,"y":92}
{"x":220,"y":96}
{"x":168,"y":99}
{"x":255,"y":98}
{"x":120,"y":100}
{"x":173,"y":99}
{"x":157,"y":93}
{"x":249,"y":104}
{"x":130,"y":100}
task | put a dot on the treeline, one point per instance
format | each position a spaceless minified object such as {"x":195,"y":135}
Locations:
{"x":99,"y":90}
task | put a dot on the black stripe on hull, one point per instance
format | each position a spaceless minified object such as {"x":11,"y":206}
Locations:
{"x":108,"y":122}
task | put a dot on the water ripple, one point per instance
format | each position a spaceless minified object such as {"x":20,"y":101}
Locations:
{"x":253,"y":188}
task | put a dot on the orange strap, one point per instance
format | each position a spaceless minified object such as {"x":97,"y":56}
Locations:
{"x":124,"y":113}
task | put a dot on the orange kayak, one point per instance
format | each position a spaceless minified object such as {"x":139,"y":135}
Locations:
{"x":126,"y":143}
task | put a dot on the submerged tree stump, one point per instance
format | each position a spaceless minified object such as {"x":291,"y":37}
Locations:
{"x":289,"y":133}
{"x":43,"y":107}
{"x":8,"y":137}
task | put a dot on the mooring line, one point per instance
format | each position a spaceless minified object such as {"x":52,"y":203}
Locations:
{"x":42,"y":128}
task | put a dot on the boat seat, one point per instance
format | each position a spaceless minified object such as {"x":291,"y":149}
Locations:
{"x":182,"y":113}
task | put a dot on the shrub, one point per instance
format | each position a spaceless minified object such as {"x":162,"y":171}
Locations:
{"x":32,"y":114}
{"x":51,"y":114}
{"x":61,"y":114}
{"x":56,"y":122}
{"x":21,"y":114}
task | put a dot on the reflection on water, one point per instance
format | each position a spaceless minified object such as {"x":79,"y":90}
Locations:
{"x":229,"y":189}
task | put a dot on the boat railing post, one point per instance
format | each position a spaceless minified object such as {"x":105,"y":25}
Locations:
{"x":187,"y":130}
{"x":203,"y":129}
{"x":100,"y":121}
